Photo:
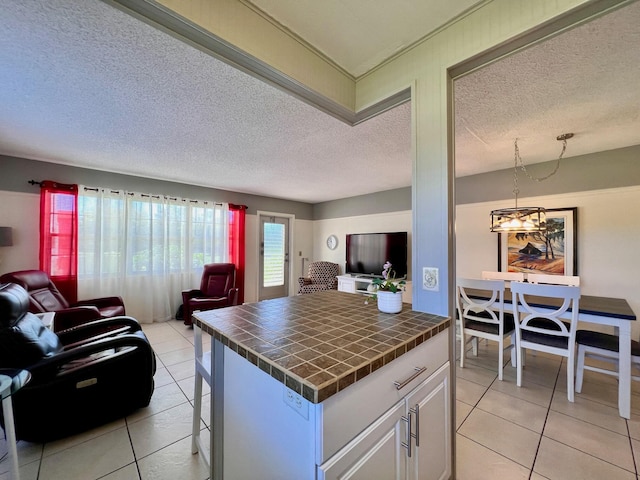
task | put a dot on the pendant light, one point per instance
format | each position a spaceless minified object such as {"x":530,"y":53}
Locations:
{"x":524,"y":219}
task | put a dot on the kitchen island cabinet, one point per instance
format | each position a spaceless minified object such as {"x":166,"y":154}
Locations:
{"x":322,"y":386}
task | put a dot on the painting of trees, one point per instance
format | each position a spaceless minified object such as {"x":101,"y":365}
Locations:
{"x":552,"y":251}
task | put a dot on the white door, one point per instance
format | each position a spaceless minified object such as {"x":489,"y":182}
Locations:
{"x":432,"y":457}
{"x":375,"y":454}
{"x":274,"y":257}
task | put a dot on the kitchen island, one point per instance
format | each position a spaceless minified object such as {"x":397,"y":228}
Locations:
{"x":323,"y":386}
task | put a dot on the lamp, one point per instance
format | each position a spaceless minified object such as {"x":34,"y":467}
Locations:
{"x":524,"y":219}
{"x":6,"y":237}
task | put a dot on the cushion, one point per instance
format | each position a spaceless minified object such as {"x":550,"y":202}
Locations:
{"x":605,"y":341}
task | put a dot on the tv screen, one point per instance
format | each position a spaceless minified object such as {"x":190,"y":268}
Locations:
{"x":368,"y":252}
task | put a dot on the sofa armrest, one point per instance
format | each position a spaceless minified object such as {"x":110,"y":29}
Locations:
{"x":102,"y":302}
{"x":74,"y":316}
{"x":232,"y":296}
{"x":51,"y":366}
{"x":189,"y":294}
{"x":97,"y":329}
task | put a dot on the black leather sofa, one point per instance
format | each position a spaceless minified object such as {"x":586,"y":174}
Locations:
{"x":80,"y":378}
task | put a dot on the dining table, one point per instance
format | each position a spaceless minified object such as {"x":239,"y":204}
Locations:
{"x":593,"y":309}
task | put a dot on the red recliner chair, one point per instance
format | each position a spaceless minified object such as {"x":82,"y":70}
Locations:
{"x":45,"y":297}
{"x":217,"y":290}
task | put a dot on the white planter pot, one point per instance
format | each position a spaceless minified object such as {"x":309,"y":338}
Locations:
{"x":389,"y":302}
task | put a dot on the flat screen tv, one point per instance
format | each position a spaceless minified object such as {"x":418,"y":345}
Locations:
{"x":368,"y":252}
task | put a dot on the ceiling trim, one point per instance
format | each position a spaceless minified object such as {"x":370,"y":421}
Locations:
{"x":249,"y":4}
{"x":168,"y":21}
{"x":161,"y":17}
{"x":572,"y":18}
{"x":383,"y":105}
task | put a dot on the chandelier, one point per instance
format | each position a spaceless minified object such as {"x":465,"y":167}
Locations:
{"x":524,"y":219}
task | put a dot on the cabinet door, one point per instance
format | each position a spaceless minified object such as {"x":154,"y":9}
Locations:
{"x":375,"y":454}
{"x":346,"y":285}
{"x":432,"y":457}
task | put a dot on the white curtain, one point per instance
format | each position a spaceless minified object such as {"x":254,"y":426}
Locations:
{"x":146,"y":248}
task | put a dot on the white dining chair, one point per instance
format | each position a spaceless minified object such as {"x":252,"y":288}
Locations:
{"x":570,"y":280}
{"x":542,"y":329}
{"x":603,"y":347}
{"x":484,"y":318}
{"x":507,"y":276}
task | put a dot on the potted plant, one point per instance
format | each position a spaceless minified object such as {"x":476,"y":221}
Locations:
{"x":388,"y":290}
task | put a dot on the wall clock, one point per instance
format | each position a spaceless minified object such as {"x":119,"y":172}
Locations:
{"x":332,"y":242}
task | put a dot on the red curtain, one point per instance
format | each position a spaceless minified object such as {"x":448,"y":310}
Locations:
{"x":59,"y":236}
{"x":236,"y":244}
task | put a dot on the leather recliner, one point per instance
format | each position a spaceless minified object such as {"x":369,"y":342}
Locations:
{"x":217,"y":290}
{"x":80,"y":379}
{"x":45,"y":297}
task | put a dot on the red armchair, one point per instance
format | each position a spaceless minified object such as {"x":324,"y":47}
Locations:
{"x":45,"y":297}
{"x":217,"y":290}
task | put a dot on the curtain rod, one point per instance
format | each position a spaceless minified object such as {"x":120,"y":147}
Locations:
{"x":147,"y":195}
{"x":34,"y":182}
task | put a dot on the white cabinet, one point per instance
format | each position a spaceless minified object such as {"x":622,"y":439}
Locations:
{"x":269,"y":432}
{"x":410,"y":441}
{"x":353,"y":284}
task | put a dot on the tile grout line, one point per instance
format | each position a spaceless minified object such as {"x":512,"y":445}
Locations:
{"x":633,"y":454}
{"x":544,"y":425}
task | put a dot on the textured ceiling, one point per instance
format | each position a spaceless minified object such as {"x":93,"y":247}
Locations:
{"x":84,"y":84}
{"x":374,"y":30}
{"x":87,"y":85}
{"x":585,"y":81}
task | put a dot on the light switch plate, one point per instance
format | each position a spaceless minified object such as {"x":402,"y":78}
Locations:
{"x":430,"y":279}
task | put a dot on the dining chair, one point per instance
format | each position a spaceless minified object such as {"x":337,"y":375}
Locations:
{"x":484,"y":318}
{"x":570,"y":280}
{"x":508,"y":276}
{"x":542,"y":329}
{"x":603,"y":347}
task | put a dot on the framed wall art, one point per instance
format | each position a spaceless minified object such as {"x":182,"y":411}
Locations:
{"x":554,"y":252}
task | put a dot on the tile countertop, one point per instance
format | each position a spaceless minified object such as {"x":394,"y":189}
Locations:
{"x":319,"y":344}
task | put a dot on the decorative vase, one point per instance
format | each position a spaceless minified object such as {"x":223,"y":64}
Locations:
{"x":389,"y":302}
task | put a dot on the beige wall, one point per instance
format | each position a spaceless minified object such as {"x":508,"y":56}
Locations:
{"x":608,"y":233}
{"x":425,"y":69}
{"x":340,"y":227}
{"x":21,"y":212}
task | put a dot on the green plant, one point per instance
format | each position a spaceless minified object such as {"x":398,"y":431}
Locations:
{"x":387,"y":283}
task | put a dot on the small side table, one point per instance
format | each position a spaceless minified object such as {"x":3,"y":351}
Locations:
{"x":10,"y":384}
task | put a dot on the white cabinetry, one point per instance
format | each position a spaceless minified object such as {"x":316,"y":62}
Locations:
{"x":269,"y":432}
{"x":354,"y":284}
{"x":410,"y":441}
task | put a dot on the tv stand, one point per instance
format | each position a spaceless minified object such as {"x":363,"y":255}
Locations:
{"x":360,"y":283}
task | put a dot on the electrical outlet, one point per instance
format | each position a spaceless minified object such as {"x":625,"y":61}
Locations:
{"x":430,"y":279}
{"x":296,"y":402}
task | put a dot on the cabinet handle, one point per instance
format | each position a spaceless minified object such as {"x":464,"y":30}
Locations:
{"x":407,"y":444}
{"x":404,"y":383}
{"x":416,"y":411}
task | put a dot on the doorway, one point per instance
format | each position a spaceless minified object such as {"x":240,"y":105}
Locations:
{"x":274,"y":268}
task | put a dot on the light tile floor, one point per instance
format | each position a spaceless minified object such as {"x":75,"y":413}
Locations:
{"x":152,"y":443}
{"x":503,"y":432}
{"x":533,"y":431}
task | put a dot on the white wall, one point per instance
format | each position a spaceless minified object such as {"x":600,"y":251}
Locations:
{"x":20,"y":211}
{"x":384,"y":222}
{"x":301,"y":246}
{"x":608,"y":239}
{"x":608,"y":233}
